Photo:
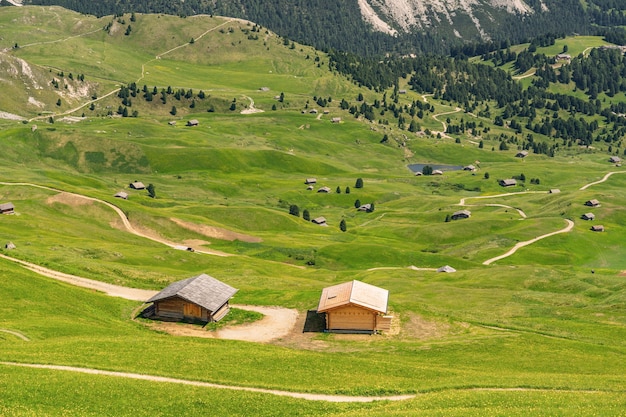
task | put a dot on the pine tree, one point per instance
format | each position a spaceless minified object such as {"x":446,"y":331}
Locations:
{"x":359,"y":183}
{"x":342,"y":225}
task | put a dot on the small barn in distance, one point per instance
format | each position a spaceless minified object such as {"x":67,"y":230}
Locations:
{"x":193,"y":122}
{"x":355,"y":307}
{"x":597,"y":228}
{"x":615,"y":159}
{"x":592,"y":203}
{"x":200,"y":298}
{"x":521,"y":154}
{"x":588,"y":216}
{"x":310,"y":181}
{"x":461,"y":214}
{"x":508,"y":182}
{"x":137,"y":185}
{"x":122,"y":195}
{"x":7,"y":208}
{"x":320,"y":221}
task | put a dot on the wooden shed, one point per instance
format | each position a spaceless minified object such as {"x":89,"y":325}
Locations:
{"x":355,"y":307}
{"x":521,"y":154}
{"x":137,"y":185}
{"x":7,"y":208}
{"x":199,"y":298}
{"x":193,"y":122}
{"x":510,"y":182}
{"x":592,"y":203}
{"x":122,"y":194}
{"x":461,"y":214}
{"x":588,"y":216}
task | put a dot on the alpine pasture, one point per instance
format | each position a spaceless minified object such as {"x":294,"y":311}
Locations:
{"x":539,"y":332}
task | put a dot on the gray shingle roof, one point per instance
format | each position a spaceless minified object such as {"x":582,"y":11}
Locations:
{"x":203,"y":290}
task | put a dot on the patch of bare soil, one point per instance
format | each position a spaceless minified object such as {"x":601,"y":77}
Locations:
{"x":216,"y":232}
{"x":622,"y":274}
{"x":68,"y":199}
{"x":276,"y":323}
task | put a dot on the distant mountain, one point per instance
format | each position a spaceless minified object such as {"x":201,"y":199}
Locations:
{"x":374,"y":27}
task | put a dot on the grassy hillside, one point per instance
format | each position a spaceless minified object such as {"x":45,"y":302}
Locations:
{"x":540,"y":331}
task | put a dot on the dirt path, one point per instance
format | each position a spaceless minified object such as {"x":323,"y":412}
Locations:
{"x":606,"y":177}
{"x":16,"y":334}
{"x":251,"y":109}
{"x":443,"y":124}
{"x":570,"y":225}
{"x":153,"y":378}
{"x":277,"y":323}
{"x":530,"y":74}
{"x":127,"y":225}
{"x":133,"y":294}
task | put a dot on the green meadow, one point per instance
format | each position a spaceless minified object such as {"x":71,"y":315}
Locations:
{"x":540,"y":332}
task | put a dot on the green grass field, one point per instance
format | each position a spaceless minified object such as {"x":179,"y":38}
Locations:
{"x":541,"y":332}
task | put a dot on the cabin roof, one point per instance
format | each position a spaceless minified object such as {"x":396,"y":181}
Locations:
{"x":354,"y":292}
{"x":7,"y":206}
{"x":446,"y":268}
{"x":203,"y":290}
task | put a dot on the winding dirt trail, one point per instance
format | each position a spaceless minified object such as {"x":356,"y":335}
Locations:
{"x":153,"y":378}
{"x":443,"y":124}
{"x":570,"y":225}
{"x":127,"y":225}
{"x":16,"y":334}
{"x":606,"y":177}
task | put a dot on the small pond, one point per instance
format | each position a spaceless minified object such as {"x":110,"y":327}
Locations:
{"x":420,"y":167}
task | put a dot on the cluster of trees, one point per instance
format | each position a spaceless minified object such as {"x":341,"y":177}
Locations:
{"x":331,"y":25}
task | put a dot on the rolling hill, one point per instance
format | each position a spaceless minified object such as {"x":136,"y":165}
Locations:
{"x":540,"y":331}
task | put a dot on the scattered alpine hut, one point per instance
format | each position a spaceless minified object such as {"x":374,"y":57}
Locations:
{"x":615,"y":160}
{"x":321,"y":221}
{"x":447,"y":269}
{"x":365,"y":207}
{"x":461,"y":214}
{"x":592,"y":203}
{"x":137,"y":185}
{"x":193,"y":122}
{"x":335,"y":120}
{"x":469,"y":168}
{"x":597,"y":228}
{"x":588,"y":216}
{"x":324,"y":190}
{"x":510,"y":182}
{"x":7,"y":208}
{"x":309,"y":181}
{"x":355,"y":307}
{"x":122,"y":194}
{"x":521,"y":154}
{"x":200,"y":298}
{"x":554,"y":191}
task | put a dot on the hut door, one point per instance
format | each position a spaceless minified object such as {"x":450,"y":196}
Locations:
{"x":192,"y":310}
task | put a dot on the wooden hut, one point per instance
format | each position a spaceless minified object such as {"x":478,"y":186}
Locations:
{"x":588,"y":216}
{"x":355,"y":307}
{"x":193,"y":122}
{"x":461,"y":214}
{"x":137,"y":185}
{"x":7,"y":208}
{"x":592,"y":203}
{"x":597,"y":228}
{"x":446,"y":268}
{"x":321,"y":221}
{"x":510,"y":182}
{"x":122,"y":194}
{"x":521,"y":154}
{"x":199,"y":298}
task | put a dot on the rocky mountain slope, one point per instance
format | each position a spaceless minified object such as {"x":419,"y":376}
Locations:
{"x":374,"y":27}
